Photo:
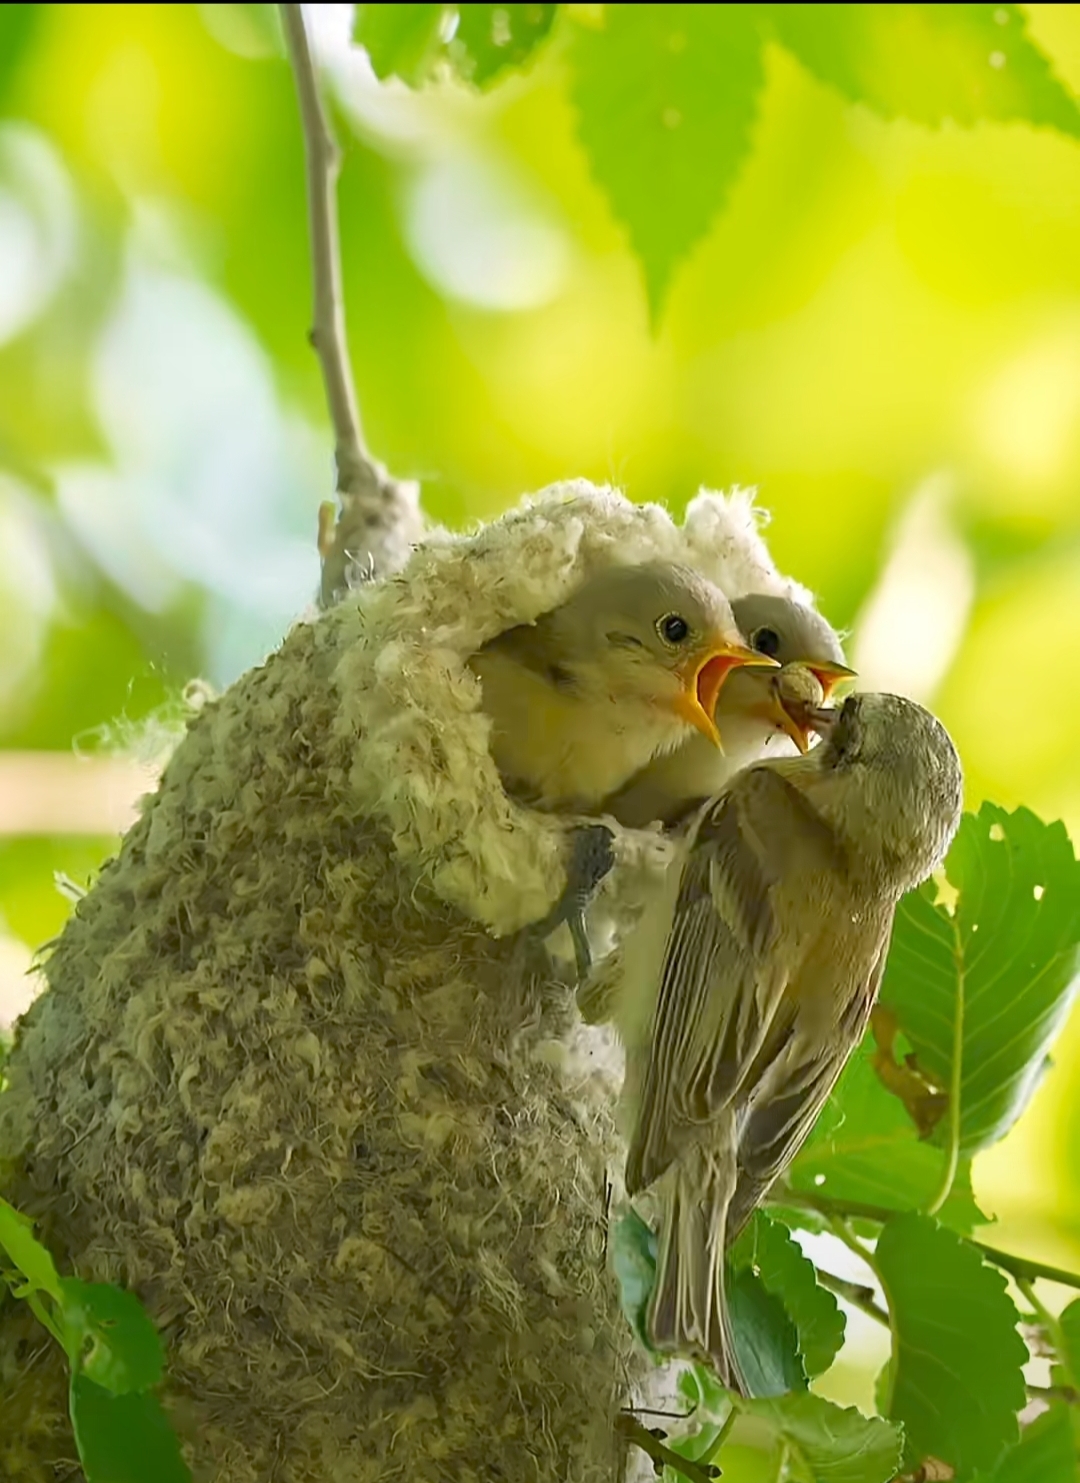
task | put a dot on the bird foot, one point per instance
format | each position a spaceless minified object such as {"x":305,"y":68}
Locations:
{"x":591,"y":858}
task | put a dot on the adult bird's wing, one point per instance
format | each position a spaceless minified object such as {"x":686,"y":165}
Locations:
{"x":790,"y":1091}
{"x":728,"y":964}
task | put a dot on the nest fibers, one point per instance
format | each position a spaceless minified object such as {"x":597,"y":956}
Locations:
{"x":287,"y":1083}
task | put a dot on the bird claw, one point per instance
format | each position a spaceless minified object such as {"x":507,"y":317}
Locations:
{"x":591,"y":858}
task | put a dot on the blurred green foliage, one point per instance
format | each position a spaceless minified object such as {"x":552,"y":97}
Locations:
{"x":833,"y":251}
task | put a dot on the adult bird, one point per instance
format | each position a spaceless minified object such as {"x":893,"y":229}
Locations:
{"x":750,"y":979}
{"x":757,"y":710}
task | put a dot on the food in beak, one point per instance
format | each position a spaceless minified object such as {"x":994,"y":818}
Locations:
{"x":829,"y":676}
{"x":799,"y":692}
{"x":794,"y":692}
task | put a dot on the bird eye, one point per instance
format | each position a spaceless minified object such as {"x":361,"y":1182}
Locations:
{"x":672,"y":629}
{"x":844,"y":739}
{"x":766,"y":641}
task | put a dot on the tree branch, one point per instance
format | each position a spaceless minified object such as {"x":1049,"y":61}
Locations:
{"x":651,"y":1443}
{"x":1053,"y":1393}
{"x":855,"y":1293}
{"x":379,"y":516}
{"x":1017,"y":1266}
{"x":1021,"y":1268}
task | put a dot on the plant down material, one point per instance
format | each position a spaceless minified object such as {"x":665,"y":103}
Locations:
{"x":289,"y":1083}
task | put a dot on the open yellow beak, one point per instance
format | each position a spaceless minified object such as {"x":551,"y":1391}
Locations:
{"x":794,"y":726}
{"x":702,"y":679}
{"x":829,"y":675}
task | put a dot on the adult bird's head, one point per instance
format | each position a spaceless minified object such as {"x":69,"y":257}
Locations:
{"x":887,"y":777}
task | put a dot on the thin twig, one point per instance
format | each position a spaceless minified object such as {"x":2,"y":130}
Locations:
{"x":663,"y":1457}
{"x":826,"y":1206}
{"x":1021,"y":1267}
{"x":328,"y":330}
{"x":856,"y":1293}
{"x":1051,"y":1327}
{"x":1016,"y":1266}
{"x":1054,"y":1393}
{"x":379,"y":516}
{"x":843,"y":1232}
{"x":713,"y":1450}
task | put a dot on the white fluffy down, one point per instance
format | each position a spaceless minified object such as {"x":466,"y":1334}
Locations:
{"x":421,"y":757}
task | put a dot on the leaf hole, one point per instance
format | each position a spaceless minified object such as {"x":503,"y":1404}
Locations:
{"x":997,"y":834}
{"x":974,"y":926}
{"x":1038,"y":892}
{"x":819,"y":1180}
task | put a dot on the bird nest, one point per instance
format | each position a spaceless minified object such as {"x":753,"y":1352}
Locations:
{"x":289,"y":1082}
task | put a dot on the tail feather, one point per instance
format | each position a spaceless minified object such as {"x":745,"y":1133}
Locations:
{"x":688,"y":1313}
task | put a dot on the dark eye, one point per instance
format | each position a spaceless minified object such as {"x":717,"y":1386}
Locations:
{"x":672,"y":629}
{"x":844,"y":740}
{"x":766,"y":641}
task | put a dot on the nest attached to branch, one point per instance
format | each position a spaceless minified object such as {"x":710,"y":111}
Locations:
{"x":288,"y":1082}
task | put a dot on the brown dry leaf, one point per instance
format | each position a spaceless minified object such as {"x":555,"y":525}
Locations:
{"x":925,"y":1101}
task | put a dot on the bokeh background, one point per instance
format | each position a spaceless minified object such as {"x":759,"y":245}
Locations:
{"x":881,"y":332}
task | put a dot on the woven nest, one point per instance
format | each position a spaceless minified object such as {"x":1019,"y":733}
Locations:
{"x":290,"y":1083}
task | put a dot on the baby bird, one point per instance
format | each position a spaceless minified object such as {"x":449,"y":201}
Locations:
{"x":623,"y":672}
{"x":756,"y":710}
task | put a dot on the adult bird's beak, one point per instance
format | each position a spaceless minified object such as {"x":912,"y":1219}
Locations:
{"x":704,"y":674}
{"x":795,"y":715}
{"x":823,"y":721}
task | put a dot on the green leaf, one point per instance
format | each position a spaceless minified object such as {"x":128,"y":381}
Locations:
{"x":490,"y":39}
{"x":401,"y":40}
{"x":633,"y":1260}
{"x":834,"y":1445}
{"x":250,"y":31}
{"x":930,"y":62}
{"x":766,"y":1341}
{"x":406,"y":41}
{"x":1005,"y":962}
{"x":777,"y":1259}
{"x":865,"y":1149}
{"x":666,"y":97}
{"x":26,"y":1251}
{"x":17,"y":25}
{"x":124,"y":1438}
{"x":120,"y":1348}
{"x":957,"y":1365}
{"x":1070,"y":1333}
{"x":1045,"y":1453}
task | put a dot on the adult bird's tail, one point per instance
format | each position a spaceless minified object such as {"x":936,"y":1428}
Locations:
{"x":688,"y":1313}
